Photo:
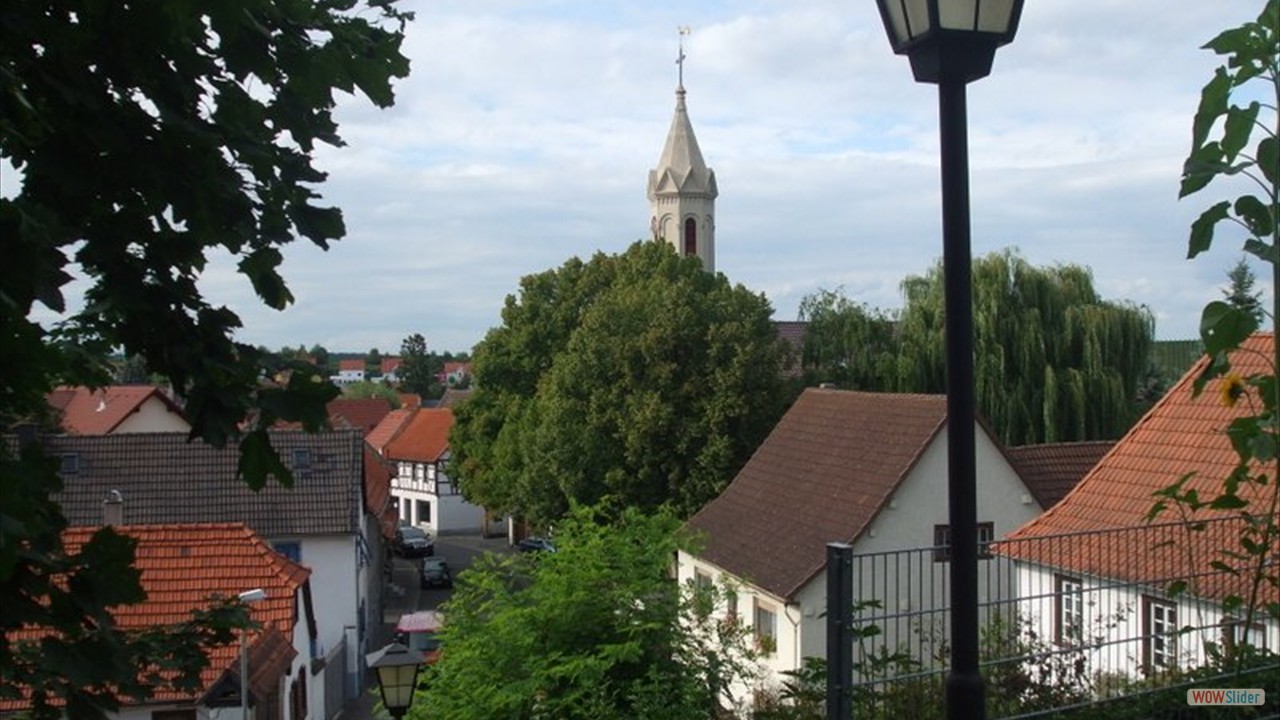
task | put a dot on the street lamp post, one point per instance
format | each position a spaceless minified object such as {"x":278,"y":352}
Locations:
{"x":952,"y":43}
{"x":246,"y":597}
{"x":397,"y":669}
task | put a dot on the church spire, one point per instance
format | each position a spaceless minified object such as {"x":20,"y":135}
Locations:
{"x":682,"y":189}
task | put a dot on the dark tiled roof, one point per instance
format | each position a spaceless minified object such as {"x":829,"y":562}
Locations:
{"x":1179,"y":435}
{"x":822,"y":474}
{"x":166,"y":479}
{"x":1050,"y":470}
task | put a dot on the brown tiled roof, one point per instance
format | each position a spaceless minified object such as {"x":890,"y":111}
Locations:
{"x":98,"y":412}
{"x":453,"y":397}
{"x":1179,"y":435}
{"x":425,"y":438}
{"x":824,"y":472}
{"x":793,"y":331}
{"x":166,"y":479}
{"x":1050,"y":470}
{"x":389,"y":428}
{"x":183,"y":567}
{"x":351,"y":364}
{"x":362,"y":414}
{"x":390,"y":364}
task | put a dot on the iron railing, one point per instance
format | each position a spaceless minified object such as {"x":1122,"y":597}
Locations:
{"x":1069,"y":623}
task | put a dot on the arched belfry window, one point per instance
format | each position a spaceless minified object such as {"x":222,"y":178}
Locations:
{"x":690,"y":237}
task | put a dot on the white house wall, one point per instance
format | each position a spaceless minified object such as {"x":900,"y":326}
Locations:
{"x":904,"y":578}
{"x":450,"y":513}
{"x":1113,"y":622}
{"x":154,"y":415}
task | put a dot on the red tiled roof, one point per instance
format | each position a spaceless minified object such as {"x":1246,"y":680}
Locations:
{"x":377,"y":492}
{"x":183,"y":567}
{"x":390,"y":364}
{"x":351,"y":364}
{"x":389,"y":429}
{"x":1179,"y":435}
{"x":823,"y":473}
{"x":362,"y":414}
{"x":425,"y":438}
{"x":98,"y":412}
{"x":452,"y":367}
{"x":1050,"y":470}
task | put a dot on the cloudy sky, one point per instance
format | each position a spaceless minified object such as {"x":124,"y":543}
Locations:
{"x":525,"y":133}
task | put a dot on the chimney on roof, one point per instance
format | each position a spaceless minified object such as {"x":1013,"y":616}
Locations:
{"x":113,"y":509}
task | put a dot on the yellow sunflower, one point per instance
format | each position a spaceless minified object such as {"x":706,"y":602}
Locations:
{"x":1231,"y":389}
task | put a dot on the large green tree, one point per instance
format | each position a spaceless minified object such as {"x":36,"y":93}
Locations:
{"x":597,"y":630}
{"x":847,"y":343}
{"x":638,"y":376}
{"x":418,"y":367}
{"x":146,"y":137}
{"x":1053,"y":361}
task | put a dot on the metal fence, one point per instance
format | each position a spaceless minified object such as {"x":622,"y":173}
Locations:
{"x":1072,"y":625}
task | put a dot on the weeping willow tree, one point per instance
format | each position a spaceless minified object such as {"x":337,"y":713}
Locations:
{"x":1052,"y":360}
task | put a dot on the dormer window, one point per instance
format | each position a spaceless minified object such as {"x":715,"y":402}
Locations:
{"x":302,"y":459}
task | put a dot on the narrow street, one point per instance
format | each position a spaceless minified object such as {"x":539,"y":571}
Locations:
{"x":404,"y":595}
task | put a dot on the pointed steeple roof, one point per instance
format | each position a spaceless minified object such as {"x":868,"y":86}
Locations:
{"x":681,"y":169}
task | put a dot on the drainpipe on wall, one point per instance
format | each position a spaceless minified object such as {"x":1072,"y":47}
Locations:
{"x":795,"y":628}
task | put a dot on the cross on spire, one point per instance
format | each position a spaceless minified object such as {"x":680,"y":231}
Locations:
{"x":683,"y":30}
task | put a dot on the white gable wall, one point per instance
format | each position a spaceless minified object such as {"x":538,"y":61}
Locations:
{"x":153,"y":415}
{"x":906,"y":523}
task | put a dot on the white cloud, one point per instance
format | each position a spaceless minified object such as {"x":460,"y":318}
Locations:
{"x":525,"y":134}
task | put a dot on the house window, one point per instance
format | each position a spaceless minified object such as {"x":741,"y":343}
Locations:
{"x":731,"y":604}
{"x":701,"y":580}
{"x":173,"y":715}
{"x":690,"y":237}
{"x":70,"y":464}
{"x":431,"y":471}
{"x":302,"y":459}
{"x":291,"y":550}
{"x":1068,"y":611}
{"x":1159,"y":634}
{"x":1235,"y":635}
{"x":942,"y":541}
{"x":424,"y":512}
{"x":766,"y":629}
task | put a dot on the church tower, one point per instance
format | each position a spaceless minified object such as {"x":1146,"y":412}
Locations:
{"x":682,"y":189}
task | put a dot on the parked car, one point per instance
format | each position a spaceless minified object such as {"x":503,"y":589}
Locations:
{"x":433,"y":571}
{"x":413,"y":541}
{"x":535,"y":544}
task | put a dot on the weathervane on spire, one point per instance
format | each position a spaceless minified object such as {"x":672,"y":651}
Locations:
{"x":683,"y":30}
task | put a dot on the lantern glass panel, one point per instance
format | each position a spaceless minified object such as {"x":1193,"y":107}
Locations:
{"x":956,"y":14}
{"x":994,"y":16}
{"x":917,"y":17}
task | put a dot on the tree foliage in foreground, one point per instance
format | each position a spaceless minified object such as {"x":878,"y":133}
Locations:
{"x":146,"y":137}
{"x":636,"y":376}
{"x":1053,"y":361}
{"x":596,"y":630}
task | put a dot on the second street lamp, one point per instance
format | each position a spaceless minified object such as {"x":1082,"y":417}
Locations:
{"x":952,"y":43}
